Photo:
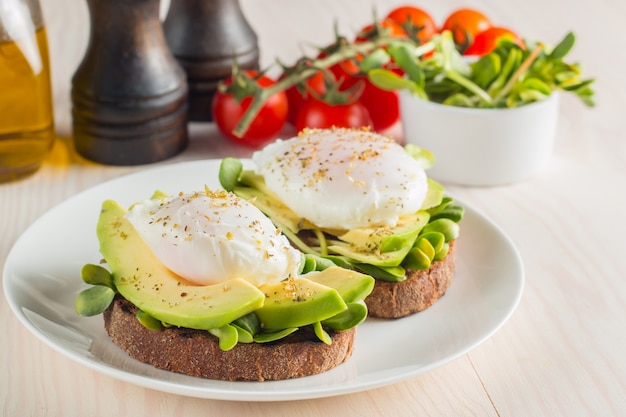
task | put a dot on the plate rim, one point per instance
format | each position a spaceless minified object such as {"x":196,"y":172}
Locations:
{"x":197,"y":391}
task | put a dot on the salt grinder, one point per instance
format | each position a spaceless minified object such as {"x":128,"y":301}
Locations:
{"x":129,"y":94}
{"x":205,"y":37}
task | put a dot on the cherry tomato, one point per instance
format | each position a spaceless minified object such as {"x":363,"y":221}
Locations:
{"x":382,"y":105}
{"x":269,"y":121}
{"x":486,"y":41}
{"x":318,"y":114}
{"x":465,"y":24}
{"x":346,"y":71}
{"x":419,"y":18}
{"x":296,"y":98}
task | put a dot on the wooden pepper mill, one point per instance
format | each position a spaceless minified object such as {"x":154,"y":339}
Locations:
{"x":129,"y":93}
{"x":205,"y":37}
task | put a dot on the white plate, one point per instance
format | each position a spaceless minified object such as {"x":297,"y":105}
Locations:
{"x":42,"y":277}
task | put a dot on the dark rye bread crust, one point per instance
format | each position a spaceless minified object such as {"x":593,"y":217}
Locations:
{"x":197,"y":353}
{"x":392,"y":300}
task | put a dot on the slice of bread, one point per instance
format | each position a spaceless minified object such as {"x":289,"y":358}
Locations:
{"x":197,"y":352}
{"x":392,"y":300}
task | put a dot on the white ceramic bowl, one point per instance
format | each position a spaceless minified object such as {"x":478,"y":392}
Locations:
{"x":481,"y":147}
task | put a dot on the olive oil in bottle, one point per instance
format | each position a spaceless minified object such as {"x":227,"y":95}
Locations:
{"x":26,"y":115}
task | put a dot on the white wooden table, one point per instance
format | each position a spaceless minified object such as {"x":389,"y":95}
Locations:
{"x":561,"y":353}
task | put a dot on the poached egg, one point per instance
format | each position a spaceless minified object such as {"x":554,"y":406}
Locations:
{"x":343,"y":178}
{"x":213,"y":236}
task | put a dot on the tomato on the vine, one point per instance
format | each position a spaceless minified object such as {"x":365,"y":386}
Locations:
{"x":486,"y":41}
{"x":227,"y":113}
{"x":382,"y":105}
{"x":418,"y":18}
{"x":465,"y":24}
{"x":297,"y":98}
{"x":321,"y":115}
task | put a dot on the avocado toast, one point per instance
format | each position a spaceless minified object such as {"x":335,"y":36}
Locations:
{"x":363,"y":202}
{"x":291,"y":325}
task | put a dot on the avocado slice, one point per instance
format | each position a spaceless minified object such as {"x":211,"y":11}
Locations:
{"x":297,"y":302}
{"x":351,"y":285}
{"x":359,"y":255}
{"x":143,"y":280}
{"x":434,"y":195}
{"x":387,"y":239}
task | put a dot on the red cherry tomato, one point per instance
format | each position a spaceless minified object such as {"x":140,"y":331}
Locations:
{"x":382,"y":105}
{"x":296,"y":98}
{"x":486,"y":41}
{"x":417,"y":17}
{"x":227,"y":113}
{"x":318,"y":114}
{"x":465,"y":24}
{"x":346,"y":71}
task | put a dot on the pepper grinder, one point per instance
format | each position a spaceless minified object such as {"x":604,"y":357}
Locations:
{"x":205,"y":37}
{"x":129,"y":93}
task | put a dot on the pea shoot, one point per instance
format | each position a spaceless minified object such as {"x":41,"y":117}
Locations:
{"x":509,"y":76}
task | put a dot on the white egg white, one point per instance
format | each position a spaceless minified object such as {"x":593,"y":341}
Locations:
{"x":343,"y":178}
{"x":213,"y":236}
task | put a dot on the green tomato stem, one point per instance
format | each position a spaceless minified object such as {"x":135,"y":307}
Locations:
{"x":345,"y":52}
